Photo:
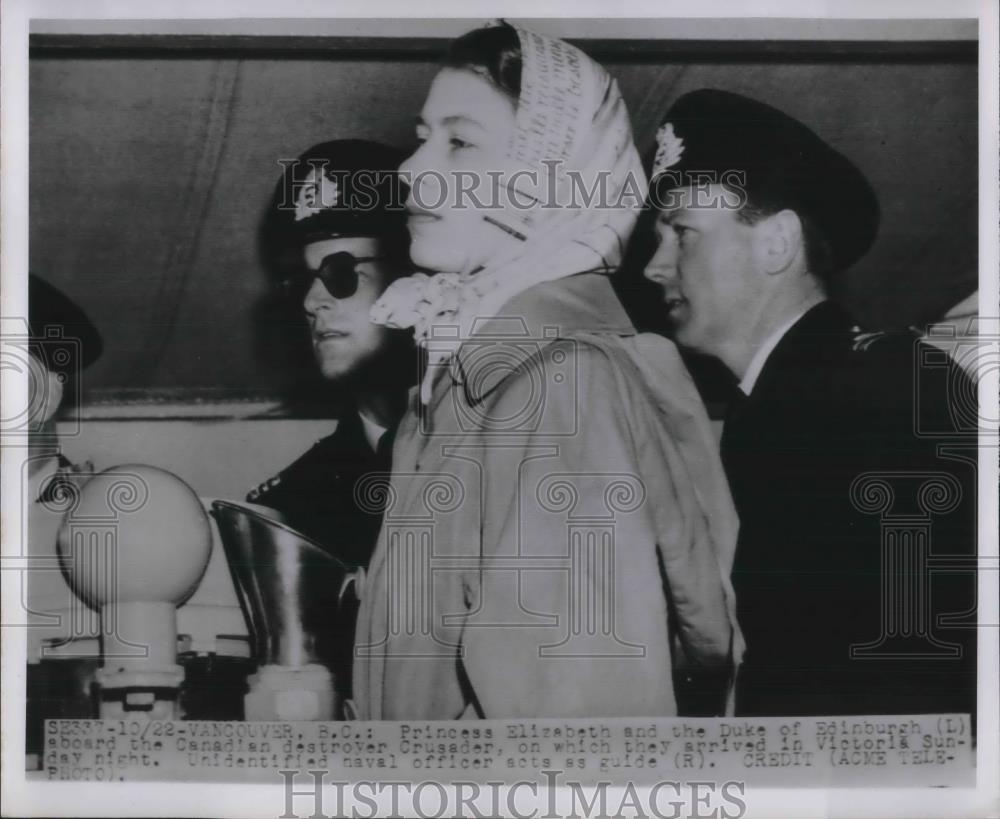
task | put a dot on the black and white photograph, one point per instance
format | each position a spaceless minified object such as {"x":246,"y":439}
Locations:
{"x":523,"y":411}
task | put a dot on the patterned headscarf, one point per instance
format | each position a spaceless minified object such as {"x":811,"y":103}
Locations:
{"x":569,"y":111}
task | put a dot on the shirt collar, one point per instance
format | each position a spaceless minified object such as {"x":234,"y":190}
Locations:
{"x":766,"y":348}
{"x":373,"y":432}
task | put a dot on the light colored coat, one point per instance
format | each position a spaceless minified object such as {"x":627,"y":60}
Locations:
{"x":558,"y":533}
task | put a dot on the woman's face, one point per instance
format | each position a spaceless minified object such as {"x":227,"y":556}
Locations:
{"x":464,"y":131}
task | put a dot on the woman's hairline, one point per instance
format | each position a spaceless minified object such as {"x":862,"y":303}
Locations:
{"x":483,"y":73}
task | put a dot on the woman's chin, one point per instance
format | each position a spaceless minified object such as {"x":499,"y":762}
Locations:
{"x":437,"y":258}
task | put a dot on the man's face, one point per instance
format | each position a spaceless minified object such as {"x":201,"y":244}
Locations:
{"x":343,"y":337}
{"x":705,"y":263}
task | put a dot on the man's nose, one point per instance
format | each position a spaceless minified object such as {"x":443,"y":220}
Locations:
{"x":662,"y":268}
{"x":318,"y":298}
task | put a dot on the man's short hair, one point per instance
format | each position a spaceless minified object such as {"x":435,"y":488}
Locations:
{"x":820,"y":260}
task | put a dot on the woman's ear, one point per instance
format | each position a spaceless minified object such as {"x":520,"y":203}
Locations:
{"x":781,"y":241}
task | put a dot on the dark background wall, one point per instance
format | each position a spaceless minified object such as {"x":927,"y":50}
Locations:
{"x":150,"y":170}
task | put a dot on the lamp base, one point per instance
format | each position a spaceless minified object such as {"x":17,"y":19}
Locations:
{"x":303,"y":694}
{"x":150,"y":695}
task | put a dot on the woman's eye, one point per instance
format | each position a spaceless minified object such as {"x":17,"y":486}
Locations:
{"x":458,"y":143}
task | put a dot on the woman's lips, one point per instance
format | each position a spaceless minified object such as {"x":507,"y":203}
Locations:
{"x":674,"y":304}
{"x":418,"y":218}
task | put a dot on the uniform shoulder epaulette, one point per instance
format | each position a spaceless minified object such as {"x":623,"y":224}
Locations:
{"x":882,"y":366}
{"x":262,"y":489}
{"x":865,"y":341}
{"x":317,"y":450}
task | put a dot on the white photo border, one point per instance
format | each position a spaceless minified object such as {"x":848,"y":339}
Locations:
{"x":23,"y":798}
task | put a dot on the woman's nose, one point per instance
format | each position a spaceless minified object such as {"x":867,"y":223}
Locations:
{"x":415,"y":164}
{"x":426,"y":183}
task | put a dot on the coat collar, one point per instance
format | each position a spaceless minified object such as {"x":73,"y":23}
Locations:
{"x":499,"y":345}
{"x":818,"y":336}
{"x":348,"y":439}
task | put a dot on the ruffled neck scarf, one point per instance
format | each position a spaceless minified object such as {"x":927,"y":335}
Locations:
{"x":569,"y":112}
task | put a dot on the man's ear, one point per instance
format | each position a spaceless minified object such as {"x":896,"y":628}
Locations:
{"x":780,"y":241}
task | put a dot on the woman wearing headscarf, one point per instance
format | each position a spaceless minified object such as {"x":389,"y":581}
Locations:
{"x":558,"y":534}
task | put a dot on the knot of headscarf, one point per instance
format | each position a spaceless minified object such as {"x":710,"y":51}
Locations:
{"x":571,"y":121}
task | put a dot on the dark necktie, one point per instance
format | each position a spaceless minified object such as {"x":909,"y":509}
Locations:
{"x":730,"y":426}
{"x":383,"y":452}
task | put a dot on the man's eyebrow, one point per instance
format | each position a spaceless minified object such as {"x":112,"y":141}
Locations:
{"x":668,"y":217}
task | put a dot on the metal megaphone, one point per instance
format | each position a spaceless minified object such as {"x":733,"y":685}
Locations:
{"x":288,"y":587}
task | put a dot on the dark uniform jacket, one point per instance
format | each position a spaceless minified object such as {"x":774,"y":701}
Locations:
{"x":319,"y":493}
{"x":332,"y":494}
{"x":820,"y":572}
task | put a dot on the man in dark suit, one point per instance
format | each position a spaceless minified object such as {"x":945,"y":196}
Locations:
{"x":342,"y":205}
{"x":855,"y":493}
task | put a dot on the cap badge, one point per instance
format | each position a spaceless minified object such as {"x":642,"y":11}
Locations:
{"x":862,"y":341}
{"x":317,"y":192}
{"x":669,"y":149}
